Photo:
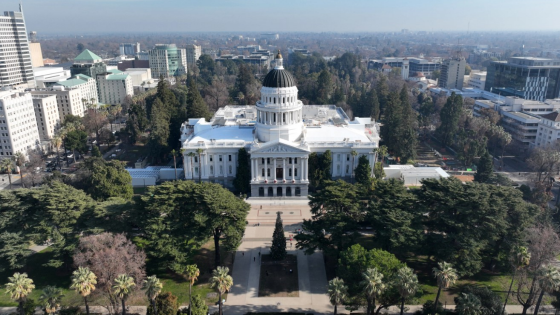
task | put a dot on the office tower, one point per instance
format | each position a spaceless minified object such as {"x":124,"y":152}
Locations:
{"x":89,"y":64}
{"x":129,"y":49}
{"x":168,"y":61}
{"x":193,"y":53}
{"x":15,"y":68}
{"x":18,"y":125}
{"x":46,"y":114}
{"x":452,"y":73}
{"x":526,"y":77}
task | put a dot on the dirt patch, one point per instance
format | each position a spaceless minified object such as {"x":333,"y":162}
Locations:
{"x":279,"y":278}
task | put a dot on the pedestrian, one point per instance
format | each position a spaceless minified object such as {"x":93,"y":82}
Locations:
{"x":254,"y":258}
{"x":259,"y":253}
{"x":243,"y":253}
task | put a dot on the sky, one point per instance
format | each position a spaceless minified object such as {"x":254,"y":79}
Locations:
{"x":126,"y":16}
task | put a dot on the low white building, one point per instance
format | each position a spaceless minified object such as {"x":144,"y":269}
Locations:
{"x":18,"y":125}
{"x":413,"y":176}
{"x":46,"y":114}
{"x":476,"y":80}
{"x":279,"y":133}
{"x":114,"y":87}
{"x":548,"y":130}
{"x":48,"y":76}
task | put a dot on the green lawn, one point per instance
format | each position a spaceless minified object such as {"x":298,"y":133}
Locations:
{"x":44,"y":276}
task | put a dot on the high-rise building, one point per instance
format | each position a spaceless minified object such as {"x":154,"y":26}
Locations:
{"x":89,"y":64}
{"x":18,"y":125}
{"x":168,"y":61}
{"x":452,"y":73}
{"x":16,"y":65}
{"x":193,"y":53}
{"x":526,"y":77}
{"x":46,"y":114}
{"x":129,"y":49}
{"x":87,"y":86}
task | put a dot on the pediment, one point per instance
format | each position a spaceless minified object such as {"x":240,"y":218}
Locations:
{"x":278,"y":147}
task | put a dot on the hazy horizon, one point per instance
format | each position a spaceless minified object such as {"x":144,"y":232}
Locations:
{"x":313,"y":16}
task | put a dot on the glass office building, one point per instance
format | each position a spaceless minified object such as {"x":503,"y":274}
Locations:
{"x":525,"y":77}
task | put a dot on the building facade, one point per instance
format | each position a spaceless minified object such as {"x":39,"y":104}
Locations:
{"x":69,"y":100}
{"x":15,"y":59}
{"x":279,"y":133}
{"x":476,"y":80}
{"x":409,"y":65}
{"x":193,"y":53}
{"x":168,"y":61}
{"x":86,"y":85}
{"x":36,"y":55}
{"x":115,"y":86}
{"x":129,"y":49}
{"x":89,"y":64}
{"x":549,"y":130}
{"x":526,"y":77}
{"x":48,"y":76}
{"x":18,"y":125}
{"x":452,"y":73}
{"x":46,"y":115}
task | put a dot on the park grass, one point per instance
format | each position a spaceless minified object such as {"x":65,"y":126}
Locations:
{"x":43,"y":276}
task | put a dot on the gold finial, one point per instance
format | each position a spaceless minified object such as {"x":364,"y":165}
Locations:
{"x":278,"y":55}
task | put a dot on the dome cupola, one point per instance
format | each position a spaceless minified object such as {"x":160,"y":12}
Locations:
{"x":279,"y":77}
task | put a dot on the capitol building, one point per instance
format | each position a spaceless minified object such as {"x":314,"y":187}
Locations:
{"x":279,"y":133}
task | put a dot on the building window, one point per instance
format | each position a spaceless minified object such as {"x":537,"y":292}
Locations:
{"x":196,"y":159}
{"x":262,"y":172}
{"x":230,"y":170}
{"x":289,"y":172}
{"x":268,"y":172}
{"x":219,"y":158}
{"x":210,"y":157}
{"x":347,"y":157}
{"x":221,"y":170}
{"x":268,"y":160}
{"x":262,"y":160}
{"x":295,"y":171}
{"x":211,"y":170}
{"x":229,"y":157}
{"x":347,"y":169}
{"x":289,"y":160}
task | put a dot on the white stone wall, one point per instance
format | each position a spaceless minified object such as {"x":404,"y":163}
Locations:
{"x":114,"y":91}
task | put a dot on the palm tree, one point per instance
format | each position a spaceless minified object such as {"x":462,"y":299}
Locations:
{"x":468,"y":304}
{"x":446,"y":276}
{"x":8,"y":165}
{"x":57,"y":143}
{"x":174,"y":154}
{"x":549,"y":281}
{"x":50,"y":299}
{"x":406,"y":283}
{"x":191,"y":273}
{"x":192,"y":155}
{"x":20,"y":162}
{"x":354,"y":154}
{"x":221,"y":282}
{"x":122,"y":288}
{"x":337,"y":291}
{"x":19,"y":287}
{"x":153,"y":286}
{"x":83,"y":282}
{"x":521,"y":259}
{"x":199,"y":151}
{"x":373,"y":286}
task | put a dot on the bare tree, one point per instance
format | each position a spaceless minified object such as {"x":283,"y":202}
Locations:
{"x":107,"y":256}
{"x":95,"y":119}
{"x":544,"y":161}
{"x":544,"y":245}
{"x":217,"y":94}
{"x":33,"y":177}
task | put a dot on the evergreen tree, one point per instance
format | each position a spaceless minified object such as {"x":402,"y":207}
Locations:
{"x":363,"y":171}
{"x":485,"y":168}
{"x":196,"y":107}
{"x":406,"y":136}
{"x":160,"y":129}
{"x":378,"y":171}
{"x":324,"y":87}
{"x":373,"y":101}
{"x":393,"y":120}
{"x":95,"y":151}
{"x":243,"y":173}
{"x":244,"y":79}
{"x":449,"y":117}
{"x":107,"y":179}
{"x":382,"y":91}
{"x":278,"y":248}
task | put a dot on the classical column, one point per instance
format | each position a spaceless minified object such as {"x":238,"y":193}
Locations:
{"x":305,"y":168}
{"x":265,"y":169}
{"x":293,"y":169}
{"x":284,"y":169}
{"x":253,"y":174}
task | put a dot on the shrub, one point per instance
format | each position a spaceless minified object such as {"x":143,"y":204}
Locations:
{"x":166,"y":304}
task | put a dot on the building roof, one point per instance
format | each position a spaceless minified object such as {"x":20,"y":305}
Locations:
{"x":71,"y":82}
{"x":554,"y":116}
{"x":87,"y":56}
{"x":279,"y":78}
{"x":116,"y":77}
{"x":82,"y":76}
{"x":114,"y":71}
